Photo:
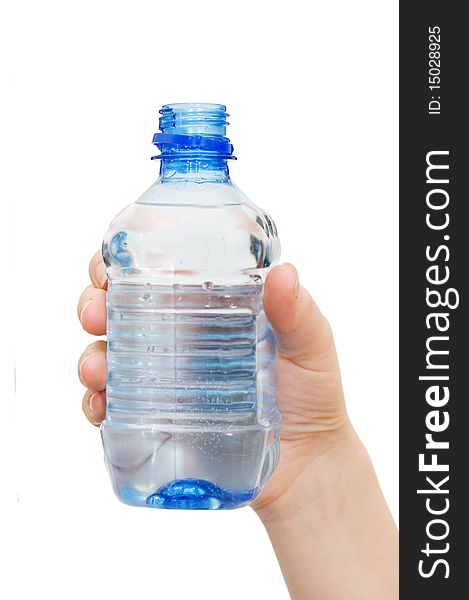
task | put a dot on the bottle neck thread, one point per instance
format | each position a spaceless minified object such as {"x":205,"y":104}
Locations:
{"x":193,"y":143}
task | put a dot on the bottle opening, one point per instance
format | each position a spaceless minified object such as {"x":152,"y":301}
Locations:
{"x":197,"y":118}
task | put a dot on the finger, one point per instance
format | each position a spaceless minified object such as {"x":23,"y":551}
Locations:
{"x":303,"y":333}
{"x":92,"y":366}
{"x":92,"y":310}
{"x":97,"y":270}
{"x":94,"y":406}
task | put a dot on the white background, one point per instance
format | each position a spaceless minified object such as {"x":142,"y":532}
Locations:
{"x":312,"y":92}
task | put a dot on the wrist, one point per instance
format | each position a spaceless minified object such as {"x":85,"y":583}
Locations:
{"x":332,"y":470}
{"x":331,"y":529}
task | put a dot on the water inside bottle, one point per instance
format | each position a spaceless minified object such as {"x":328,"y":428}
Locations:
{"x":187,"y":367}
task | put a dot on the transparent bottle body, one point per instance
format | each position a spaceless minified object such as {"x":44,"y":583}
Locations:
{"x":191,"y":417}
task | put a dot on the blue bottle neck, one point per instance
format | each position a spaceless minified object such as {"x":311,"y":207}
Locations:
{"x":193,"y":143}
{"x":200,"y":169}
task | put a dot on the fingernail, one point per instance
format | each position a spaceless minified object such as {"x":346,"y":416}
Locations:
{"x":83,"y":308}
{"x":90,"y":401}
{"x":80,"y":367}
{"x":100,"y":274}
{"x":297,"y":287}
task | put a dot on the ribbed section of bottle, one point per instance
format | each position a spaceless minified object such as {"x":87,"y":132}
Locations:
{"x":191,"y":419}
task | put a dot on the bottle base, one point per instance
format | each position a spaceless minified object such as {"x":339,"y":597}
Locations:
{"x":191,"y":464}
{"x":190,"y":494}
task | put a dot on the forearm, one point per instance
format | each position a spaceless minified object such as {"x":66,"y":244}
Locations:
{"x":332,"y":531}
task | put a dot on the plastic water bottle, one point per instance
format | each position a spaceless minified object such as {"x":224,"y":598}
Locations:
{"x":191,"y":418}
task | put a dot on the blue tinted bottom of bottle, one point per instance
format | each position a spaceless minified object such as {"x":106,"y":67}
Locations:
{"x":191,"y":494}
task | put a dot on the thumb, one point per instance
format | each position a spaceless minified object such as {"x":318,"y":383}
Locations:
{"x":303,"y":334}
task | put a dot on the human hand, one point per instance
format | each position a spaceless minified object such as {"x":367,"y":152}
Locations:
{"x":323,"y":508}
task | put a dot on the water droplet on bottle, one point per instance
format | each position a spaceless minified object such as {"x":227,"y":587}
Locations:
{"x":233,"y":305}
{"x":208,"y":285}
{"x":207,"y":305}
{"x":148,"y":285}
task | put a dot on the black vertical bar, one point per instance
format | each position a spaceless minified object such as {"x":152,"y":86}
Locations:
{"x":438,"y":127}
